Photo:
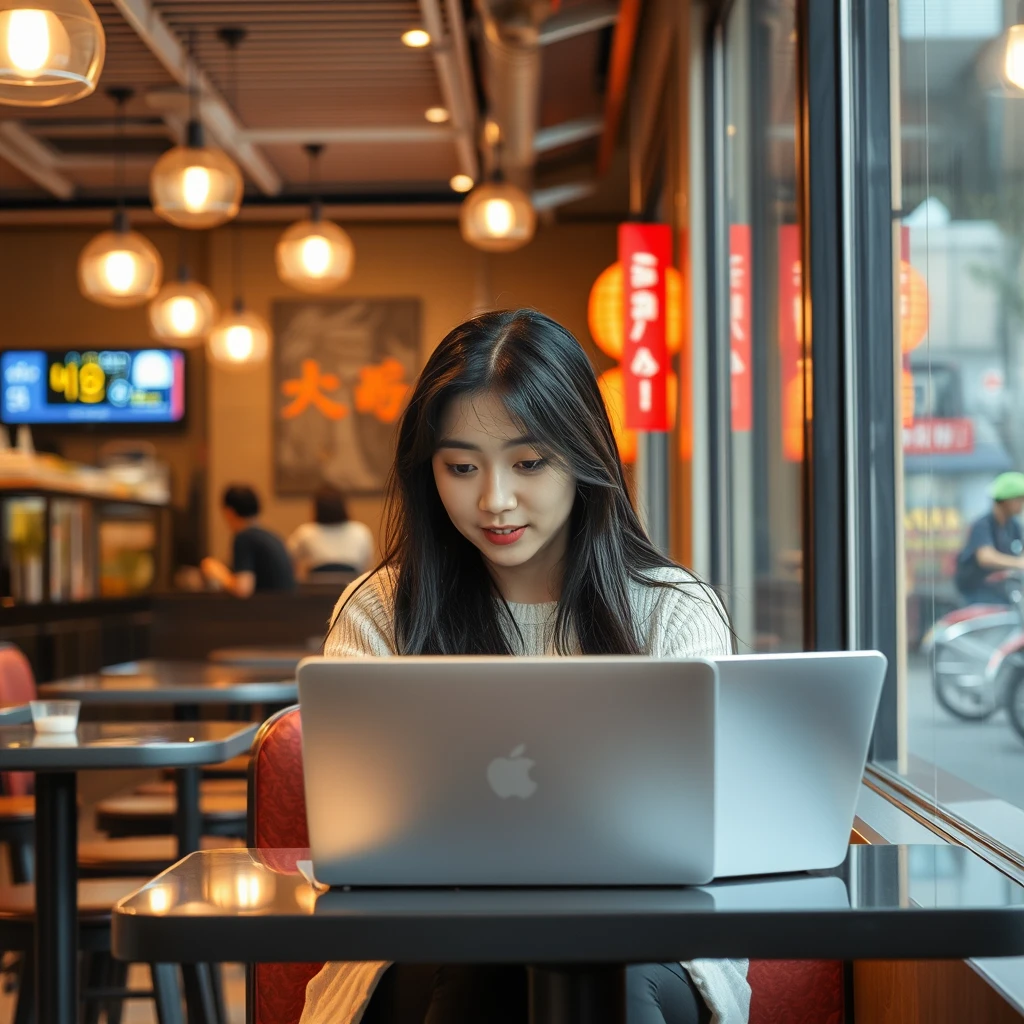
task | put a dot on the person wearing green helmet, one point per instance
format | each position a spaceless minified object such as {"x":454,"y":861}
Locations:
{"x":996,"y":542}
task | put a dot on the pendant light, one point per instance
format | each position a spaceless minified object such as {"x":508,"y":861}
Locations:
{"x":119,"y":268}
{"x":314,"y":255}
{"x":197,"y":186}
{"x":51,"y":51}
{"x":497,"y":216}
{"x":1013,"y":57}
{"x":241,"y":338}
{"x":183,"y":311}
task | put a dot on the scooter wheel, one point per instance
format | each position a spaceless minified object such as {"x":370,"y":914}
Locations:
{"x":976,"y":707}
{"x":1015,"y":704}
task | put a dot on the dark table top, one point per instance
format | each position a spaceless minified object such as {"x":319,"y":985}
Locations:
{"x":124,"y":745}
{"x":882,"y":902}
{"x":177,"y":682}
{"x":276,"y":658}
{"x":15,"y":714}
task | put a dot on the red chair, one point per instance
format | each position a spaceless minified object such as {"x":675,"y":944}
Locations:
{"x":784,"y":991}
{"x":17,"y":686}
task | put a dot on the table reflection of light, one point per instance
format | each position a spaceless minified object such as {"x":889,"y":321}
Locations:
{"x":240,"y":889}
{"x":160,"y":899}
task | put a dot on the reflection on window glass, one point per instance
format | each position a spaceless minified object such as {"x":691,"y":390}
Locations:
{"x":961,"y":294}
{"x":764,"y":323}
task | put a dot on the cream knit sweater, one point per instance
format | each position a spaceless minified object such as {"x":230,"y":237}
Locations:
{"x":674,"y":623}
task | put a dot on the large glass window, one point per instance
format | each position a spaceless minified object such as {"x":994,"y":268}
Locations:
{"x":760,"y":325}
{"x":961,"y":294}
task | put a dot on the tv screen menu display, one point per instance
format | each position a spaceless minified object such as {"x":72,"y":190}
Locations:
{"x":134,"y":386}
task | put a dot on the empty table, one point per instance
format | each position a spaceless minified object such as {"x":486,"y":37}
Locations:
{"x":907,"y":902}
{"x":55,"y":759}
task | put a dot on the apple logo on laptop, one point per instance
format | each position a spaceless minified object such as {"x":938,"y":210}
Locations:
{"x":510,"y":776}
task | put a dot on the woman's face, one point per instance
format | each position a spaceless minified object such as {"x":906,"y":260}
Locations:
{"x":500,"y":492}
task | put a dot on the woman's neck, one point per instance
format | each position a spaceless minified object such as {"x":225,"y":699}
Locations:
{"x":537,"y":581}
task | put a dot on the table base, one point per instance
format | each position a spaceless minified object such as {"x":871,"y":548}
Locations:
{"x":56,"y":898}
{"x":571,"y":994}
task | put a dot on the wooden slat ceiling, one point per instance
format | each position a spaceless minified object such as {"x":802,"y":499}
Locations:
{"x":304,"y":64}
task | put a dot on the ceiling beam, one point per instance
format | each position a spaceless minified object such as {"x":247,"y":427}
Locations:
{"x":368,"y":134}
{"x":577,"y":21}
{"x":620,"y":64}
{"x":33,"y":159}
{"x":553,"y":196}
{"x":220,"y":119}
{"x":566,"y":133}
{"x":451,"y":61}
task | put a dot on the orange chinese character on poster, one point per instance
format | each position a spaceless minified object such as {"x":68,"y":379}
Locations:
{"x":308,"y":390}
{"x":382,"y":389}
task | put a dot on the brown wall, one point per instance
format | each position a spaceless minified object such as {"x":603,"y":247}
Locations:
{"x":554,"y":273}
{"x":232,"y":428}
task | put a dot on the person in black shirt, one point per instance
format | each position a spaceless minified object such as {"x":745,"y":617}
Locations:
{"x":260,"y":559}
{"x":995,"y":542}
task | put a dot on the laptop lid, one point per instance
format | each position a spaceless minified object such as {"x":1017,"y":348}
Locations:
{"x":509,"y":771}
{"x":793,"y":737}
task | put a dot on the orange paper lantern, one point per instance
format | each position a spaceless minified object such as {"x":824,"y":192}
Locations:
{"x":606,"y":318}
{"x":794,"y":414}
{"x":908,"y":398}
{"x":613,"y":393}
{"x":913,"y":307}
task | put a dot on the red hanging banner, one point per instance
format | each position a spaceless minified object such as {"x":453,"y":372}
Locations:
{"x":739,"y":327}
{"x":645,"y":252}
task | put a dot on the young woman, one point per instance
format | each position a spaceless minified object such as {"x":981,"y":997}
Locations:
{"x":510,"y":531}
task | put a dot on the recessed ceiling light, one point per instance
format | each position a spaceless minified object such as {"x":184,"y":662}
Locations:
{"x":436,"y":115}
{"x":461,"y":183}
{"x":416,"y":38}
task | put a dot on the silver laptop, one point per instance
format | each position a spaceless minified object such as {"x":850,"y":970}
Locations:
{"x":509,"y":771}
{"x":793,"y":737}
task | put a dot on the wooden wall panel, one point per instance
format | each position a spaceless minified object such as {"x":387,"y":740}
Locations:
{"x":926,"y":992}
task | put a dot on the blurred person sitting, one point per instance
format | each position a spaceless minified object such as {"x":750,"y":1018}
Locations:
{"x":260,"y":560}
{"x":333,"y":542}
{"x":995,"y":543}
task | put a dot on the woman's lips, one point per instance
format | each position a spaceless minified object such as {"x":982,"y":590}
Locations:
{"x":503,"y":538}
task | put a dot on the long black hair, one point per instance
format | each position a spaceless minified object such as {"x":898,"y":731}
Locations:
{"x":445,"y":600}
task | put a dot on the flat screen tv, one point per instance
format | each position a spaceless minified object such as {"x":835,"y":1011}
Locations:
{"x":130,"y":386}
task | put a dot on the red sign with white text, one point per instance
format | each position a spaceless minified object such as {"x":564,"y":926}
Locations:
{"x":645,"y":252}
{"x":939,"y":437}
{"x":739,"y":327}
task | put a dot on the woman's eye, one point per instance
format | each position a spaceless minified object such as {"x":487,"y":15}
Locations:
{"x":531,"y":465}
{"x":461,"y":468}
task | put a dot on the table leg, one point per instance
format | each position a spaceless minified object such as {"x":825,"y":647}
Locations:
{"x":569,"y":994}
{"x":187,"y":816}
{"x":56,"y":898}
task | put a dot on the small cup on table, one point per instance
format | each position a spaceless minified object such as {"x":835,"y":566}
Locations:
{"x":55,"y":716}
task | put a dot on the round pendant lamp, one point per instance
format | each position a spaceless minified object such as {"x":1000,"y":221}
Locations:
{"x":314,"y":255}
{"x":241,"y":339}
{"x":197,"y":186}
{"x":51,"y":51}
{"x":497,"y":217}
{"x":183,"y":313}
{"x":119,"y":268}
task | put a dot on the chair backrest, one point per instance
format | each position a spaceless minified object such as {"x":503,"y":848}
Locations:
{"x":17,"y":686}
{"x":277,"y":820}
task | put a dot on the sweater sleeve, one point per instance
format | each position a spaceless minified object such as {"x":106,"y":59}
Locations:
{"x":688,"y":621}
{"x":362,"y":623}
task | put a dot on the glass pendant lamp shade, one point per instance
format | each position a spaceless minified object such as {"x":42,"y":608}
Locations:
{"x":497,"y":217}
{"x":51,"y":51}
{"x":183,"y":313}
{"x":196,"y":186}
{"x":119,"y":268}
{"x":315,"y":255}
{"x":240,"y":341}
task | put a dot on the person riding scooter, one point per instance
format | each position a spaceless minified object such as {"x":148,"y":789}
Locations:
{"x":996,"y":542}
